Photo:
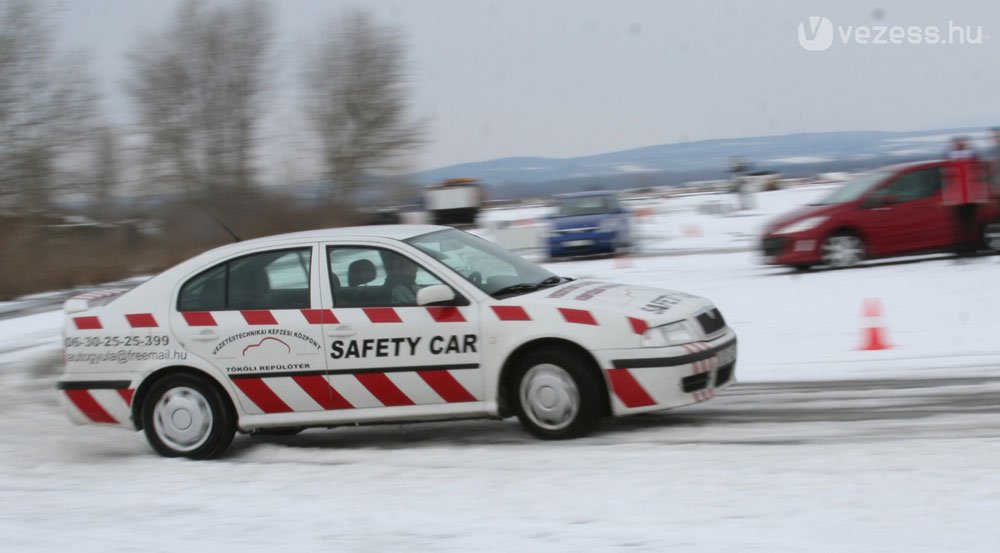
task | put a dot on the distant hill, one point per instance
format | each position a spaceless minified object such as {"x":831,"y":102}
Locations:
{"x":667,"y":164}
{"x":794,"y":155}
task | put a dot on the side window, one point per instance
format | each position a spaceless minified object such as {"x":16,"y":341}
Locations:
{"x":486,"y":271}
{"x":933,"y":181}
{"x":268,"y":280}
{"x":914,"y":185}
{"x":205,"y":292}
{"x":374,"y":277}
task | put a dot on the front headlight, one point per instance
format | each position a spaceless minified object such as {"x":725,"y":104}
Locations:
{"x":802,"y":226}
{"x":673,"y":334}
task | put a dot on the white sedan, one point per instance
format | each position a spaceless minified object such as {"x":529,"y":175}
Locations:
{"x":377,"y":324}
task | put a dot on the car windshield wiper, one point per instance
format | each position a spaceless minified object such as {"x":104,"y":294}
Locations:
{"x":552,"y":281}
{"x":525,"y":287}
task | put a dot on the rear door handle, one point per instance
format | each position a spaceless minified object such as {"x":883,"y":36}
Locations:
{"x":341,"y":332}
{"x":206,"y":336}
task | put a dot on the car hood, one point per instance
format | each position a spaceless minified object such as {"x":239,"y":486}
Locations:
{"x":803,"y":212}
{"x":578,"y":221}
{"x":655,"y":306}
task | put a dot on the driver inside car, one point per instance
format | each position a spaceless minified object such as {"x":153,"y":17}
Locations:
{"x":401,"y":280}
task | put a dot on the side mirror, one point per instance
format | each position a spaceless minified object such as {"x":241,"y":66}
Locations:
{"x":438,"y":293}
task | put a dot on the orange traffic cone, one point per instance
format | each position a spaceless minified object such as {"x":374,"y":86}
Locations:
{"x":874,"y":334}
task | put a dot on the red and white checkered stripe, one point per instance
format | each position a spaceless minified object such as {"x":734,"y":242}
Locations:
{"x":704,"y":365}
{"x":286,"y":394}
{"x":637,"y":388}
{"x":133,"y":320}
{"x":102,"y":405}
{"x":608,"y":322}
{"x":703,"y":395}
{"x":377,"y":315}
{"x":263,"y":317}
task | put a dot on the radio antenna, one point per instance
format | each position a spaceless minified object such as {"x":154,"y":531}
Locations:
{"x":220,"y":223}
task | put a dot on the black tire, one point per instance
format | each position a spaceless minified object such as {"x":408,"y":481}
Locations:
{"x":836,"y":250}
{"x":991,"y":236}
{"x":563,"y":379}
{"x":802,"y":267}
{"x":184,"y":415}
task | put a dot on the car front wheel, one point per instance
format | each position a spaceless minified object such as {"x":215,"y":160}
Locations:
{"x":991,"y":236}
{"x":557,"y":397}
{"x":844,"y":249}
{"x":185,"y":416}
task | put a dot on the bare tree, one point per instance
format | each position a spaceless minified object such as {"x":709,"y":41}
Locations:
{"x":198,"y":89}
{"x":46,"y":105}
{"x":356,"y":101}
{"x":107,"y":166}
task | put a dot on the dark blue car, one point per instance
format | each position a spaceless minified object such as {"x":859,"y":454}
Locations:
{"x":588,"y":223}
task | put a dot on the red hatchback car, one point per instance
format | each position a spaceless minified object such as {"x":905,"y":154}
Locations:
{"x":896,"y":210}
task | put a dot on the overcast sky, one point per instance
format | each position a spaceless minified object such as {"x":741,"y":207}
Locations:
{"x":575,"y":77}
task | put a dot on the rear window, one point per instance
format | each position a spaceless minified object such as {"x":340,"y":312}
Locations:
{"x":267,"y":280}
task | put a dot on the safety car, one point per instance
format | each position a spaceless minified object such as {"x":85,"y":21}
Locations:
{"x":380,"y":324}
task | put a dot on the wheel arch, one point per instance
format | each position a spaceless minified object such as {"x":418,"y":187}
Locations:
{"x":506,"y":388}
{"x":984,"y":228}
{"x":151,"y":379}
{"x":847,"y":229}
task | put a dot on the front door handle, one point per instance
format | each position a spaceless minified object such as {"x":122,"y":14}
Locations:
{"x":341,"y":332}
{"x":206,"y":336}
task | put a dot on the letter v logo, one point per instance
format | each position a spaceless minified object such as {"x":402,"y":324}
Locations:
{"x":816,"y":33}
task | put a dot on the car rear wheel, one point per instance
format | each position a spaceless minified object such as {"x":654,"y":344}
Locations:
{"x":185,"y":416}
{"x":844,"y":249}
{"x":557,"y":397}
{"x":991,"y":236}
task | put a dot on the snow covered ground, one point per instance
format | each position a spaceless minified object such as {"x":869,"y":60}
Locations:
{"x":823,"y":447}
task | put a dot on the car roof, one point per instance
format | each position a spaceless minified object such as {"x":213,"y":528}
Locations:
{"x":395,"y":232}
{"x":898,"y":167}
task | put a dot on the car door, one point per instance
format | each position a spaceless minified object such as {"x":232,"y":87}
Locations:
{"x":387,"y":355}
{"x":251,"y":317}
{"x":906,"y":214}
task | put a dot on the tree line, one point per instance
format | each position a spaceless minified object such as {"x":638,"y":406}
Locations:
{"x":198,"y":88}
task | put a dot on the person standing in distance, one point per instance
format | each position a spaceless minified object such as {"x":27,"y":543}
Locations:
{"x":964,"y":190}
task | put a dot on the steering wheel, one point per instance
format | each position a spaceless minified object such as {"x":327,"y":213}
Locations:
{"x":475,"y":277}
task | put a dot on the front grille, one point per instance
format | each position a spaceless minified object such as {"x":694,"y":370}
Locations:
{"x":773,"y":246}
{"x":572,"y":231}
{"x":711,"y":322}
{"x":724,"y":374}
{"x":694,"y":382}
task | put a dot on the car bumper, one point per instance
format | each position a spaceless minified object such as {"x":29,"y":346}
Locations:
{"x":791,"y":249}
{"x":582,"y":243}
{"x":105,"y":399}
{"x":642,"y":380}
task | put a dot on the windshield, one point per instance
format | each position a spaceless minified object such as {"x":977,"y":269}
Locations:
{"x":489,"y":267}
{"x":586,"y":205}
{"x":854,"y":189}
